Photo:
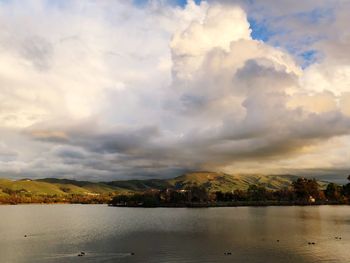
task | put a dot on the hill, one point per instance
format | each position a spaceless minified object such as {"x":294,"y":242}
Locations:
{"x":54,"y":187}
{"x":210,"y":180}
{"x":227,"y":182}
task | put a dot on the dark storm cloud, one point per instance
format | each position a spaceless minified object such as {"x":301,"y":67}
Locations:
{"x":67,"y":152}
{"x":126,"y":141}
{"x":122,"y":140}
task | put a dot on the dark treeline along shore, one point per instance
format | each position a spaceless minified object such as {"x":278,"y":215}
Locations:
{"x":302,"y":191}
{"x":196,"y":189}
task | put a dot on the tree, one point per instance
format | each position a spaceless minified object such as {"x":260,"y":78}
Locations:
{"x":333,"y":192}
{"x":151,"y":199}
{"x":257,"y":193}
{"x":240,"y":195}
{"x":346,"y":189}
{"x":120,"y":199}
{"x":198,"y":193}
{"x":219,"y":196}
{"x":306,"y":188}
{"x":177,"y":197}
{"x":284,"y":194}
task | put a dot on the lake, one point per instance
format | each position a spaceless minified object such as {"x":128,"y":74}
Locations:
{"x":58,"y":233}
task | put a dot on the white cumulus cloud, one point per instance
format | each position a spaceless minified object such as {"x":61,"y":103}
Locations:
{"x":102,"y":90}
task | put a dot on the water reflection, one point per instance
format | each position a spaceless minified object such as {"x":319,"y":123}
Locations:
{"x":272,"y":234}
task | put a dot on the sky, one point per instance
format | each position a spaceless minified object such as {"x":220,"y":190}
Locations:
{"x":102,"y":90}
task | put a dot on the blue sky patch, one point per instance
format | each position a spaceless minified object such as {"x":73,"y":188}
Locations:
{"x":259,"y":30}
{"x":309,"y":57}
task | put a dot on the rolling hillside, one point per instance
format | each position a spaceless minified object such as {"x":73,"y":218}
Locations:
{"x":59,"y":187}
{"x":212,"y":181}
{"x":226,"y":182}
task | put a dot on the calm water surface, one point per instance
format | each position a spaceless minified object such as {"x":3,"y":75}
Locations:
{"x":57,"y":233}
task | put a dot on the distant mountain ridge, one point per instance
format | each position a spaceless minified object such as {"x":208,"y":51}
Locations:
{"x":211,"y":180}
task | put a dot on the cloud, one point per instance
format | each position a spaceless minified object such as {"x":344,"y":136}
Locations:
{"x":106,"y":90}
{"x":69,"y":152}
{"x":216,"y":29}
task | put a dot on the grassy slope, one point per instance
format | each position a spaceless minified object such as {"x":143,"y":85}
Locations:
{"x":212,"y":181}
{"x":226,"y":182}
{"x":141,"y":185}
{"x":55,"y":187}
{"x":82,"y":186}
{"x":32,"y":187}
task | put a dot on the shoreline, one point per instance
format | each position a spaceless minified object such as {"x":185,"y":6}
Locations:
{"x":175,"y":207}
{"x":240,"y":204}
{"x":183,"y":206}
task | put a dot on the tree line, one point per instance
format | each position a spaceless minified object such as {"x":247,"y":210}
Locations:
{"x":303,"y":191}
{"x":22,"y":197}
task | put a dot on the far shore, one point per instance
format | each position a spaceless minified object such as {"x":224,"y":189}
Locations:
{"x":232,"y":204}
{"x":195,"y":205}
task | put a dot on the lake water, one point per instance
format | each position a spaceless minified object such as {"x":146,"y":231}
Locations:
{"x":57,"y":233}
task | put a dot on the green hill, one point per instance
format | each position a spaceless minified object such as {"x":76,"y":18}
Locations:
{"x":226,"y":182}
{"x":78,"y":187}
{"x":52,"y":186}
{"x":212,"y":181}
{"x":30,"y":187}
{"x":141,"y":185}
